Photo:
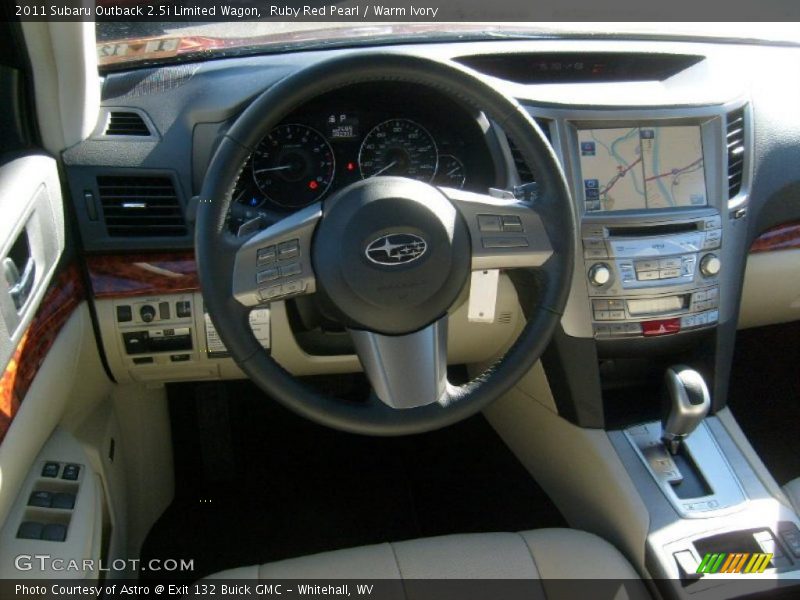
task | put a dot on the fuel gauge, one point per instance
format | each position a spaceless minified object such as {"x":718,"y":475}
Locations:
{"x":451,"y":172}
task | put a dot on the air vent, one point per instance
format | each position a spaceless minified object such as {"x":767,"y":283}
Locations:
{"x":126,"y":123}
{"x":136,"y":206}
{"x":525,"y":174}
{"x":736,"y":145}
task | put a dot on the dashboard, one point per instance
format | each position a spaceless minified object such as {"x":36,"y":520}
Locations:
{"x":358,"y":133}
{"x":675,"y":165}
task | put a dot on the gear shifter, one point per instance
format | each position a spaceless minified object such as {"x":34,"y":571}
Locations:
{"x":687,"y":400}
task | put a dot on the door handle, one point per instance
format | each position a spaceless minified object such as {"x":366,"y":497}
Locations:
{"x":20,"y":286}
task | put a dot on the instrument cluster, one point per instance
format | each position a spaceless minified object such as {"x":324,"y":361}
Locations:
{"x":316,"y":152}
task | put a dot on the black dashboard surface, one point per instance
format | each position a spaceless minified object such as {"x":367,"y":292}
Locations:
{"x":189,"y":106}
{"x":361,"y":132}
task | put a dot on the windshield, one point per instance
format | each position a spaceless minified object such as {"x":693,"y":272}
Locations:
{"x":138,"y":43}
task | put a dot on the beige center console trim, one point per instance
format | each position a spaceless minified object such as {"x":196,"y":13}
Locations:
{"x":577,"y":467}
{"x":468,"y":342}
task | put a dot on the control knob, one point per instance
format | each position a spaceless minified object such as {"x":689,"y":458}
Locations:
{"x":147,"y":313}
{"x":599,"y":274}
{"x":710,"y":265}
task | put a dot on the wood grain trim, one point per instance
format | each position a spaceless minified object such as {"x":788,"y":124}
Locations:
{"x":63,"y":295}
{"x":783,"y":237}
{"x":127,"y":275}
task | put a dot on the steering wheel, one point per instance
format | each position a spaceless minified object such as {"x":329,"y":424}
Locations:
{"x":388,"y":256}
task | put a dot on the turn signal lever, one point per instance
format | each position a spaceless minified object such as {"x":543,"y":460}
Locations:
{"x":687,"y":403}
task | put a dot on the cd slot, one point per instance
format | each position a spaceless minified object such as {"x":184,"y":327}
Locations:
{"x":652,"y":230}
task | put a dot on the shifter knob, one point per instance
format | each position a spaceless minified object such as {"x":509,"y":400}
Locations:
{"x":688,"y":402}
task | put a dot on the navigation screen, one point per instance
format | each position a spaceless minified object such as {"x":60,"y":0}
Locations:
{"x":642,"y":168}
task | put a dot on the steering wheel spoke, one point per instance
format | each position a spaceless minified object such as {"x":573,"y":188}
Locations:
{"x":275,"y":264}
{"x":406,"y":371}
{"x":505,"y":233}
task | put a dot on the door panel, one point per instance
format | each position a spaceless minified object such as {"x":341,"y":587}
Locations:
{"x":31,"y":245}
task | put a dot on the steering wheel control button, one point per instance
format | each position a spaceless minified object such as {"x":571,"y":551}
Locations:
{"x":661,"y":327}
{"x":71,"y":472}
{"x":270,"y":293}
{"x":490,"y":223}
{"x":505,"y":242}
{"x":290,"y":249}
{"x":293,"y":287}
{"x":40,"y":499}
{"x":599,"y":274}
{"x":512,"y":224}
{"x":290,"y":269}
{"x":268,"y":275}
{"x":267,"y":256}
{"x":51,"y":469}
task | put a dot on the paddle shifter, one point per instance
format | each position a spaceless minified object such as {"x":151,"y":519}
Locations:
{"x":687,"y":404}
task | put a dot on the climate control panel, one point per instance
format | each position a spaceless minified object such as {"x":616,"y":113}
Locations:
{"x":652,"y":278}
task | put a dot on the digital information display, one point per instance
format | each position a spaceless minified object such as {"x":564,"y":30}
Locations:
{"x":642,"y":168}
{"x":342,"y":126}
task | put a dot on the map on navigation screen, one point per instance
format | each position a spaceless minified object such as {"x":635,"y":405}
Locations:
{"x":642,"y":168}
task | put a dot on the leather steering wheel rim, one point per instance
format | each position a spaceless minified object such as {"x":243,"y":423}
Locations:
{"x":216,"y":248}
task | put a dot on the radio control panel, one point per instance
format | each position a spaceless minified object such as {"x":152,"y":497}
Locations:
{"x":648,"y":279}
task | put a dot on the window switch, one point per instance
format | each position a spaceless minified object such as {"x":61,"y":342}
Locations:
{"x":71,"y":472}
{"x":30,"y":530}
{"x":54,"y":532}
{"x":40,"y":499}
{"x":64,"y":500}
{"x":50,"y":469}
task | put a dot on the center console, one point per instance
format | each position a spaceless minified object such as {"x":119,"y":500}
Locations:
{"x":651,"y":236}
{"x":649,"y":275}
{"x":661,"y":205}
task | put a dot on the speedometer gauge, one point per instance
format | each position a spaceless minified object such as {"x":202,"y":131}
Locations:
{"x":399,"y":147}
{"x":293,"y":165}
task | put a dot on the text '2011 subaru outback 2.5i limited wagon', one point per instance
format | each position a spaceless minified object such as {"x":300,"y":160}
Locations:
{"x":481,"y":311}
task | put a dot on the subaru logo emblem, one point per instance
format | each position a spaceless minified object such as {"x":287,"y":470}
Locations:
{"x":396,"y":249}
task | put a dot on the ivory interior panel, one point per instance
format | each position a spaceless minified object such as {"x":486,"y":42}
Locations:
{"x":771,"y":291}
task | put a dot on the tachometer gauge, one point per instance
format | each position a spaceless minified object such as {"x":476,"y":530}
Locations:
{"x":451,"y":172}
{"x":398,"y":147}
{"x":293,"y":166}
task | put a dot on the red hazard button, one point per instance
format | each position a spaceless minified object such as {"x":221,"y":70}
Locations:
{"x":661,"y":327}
